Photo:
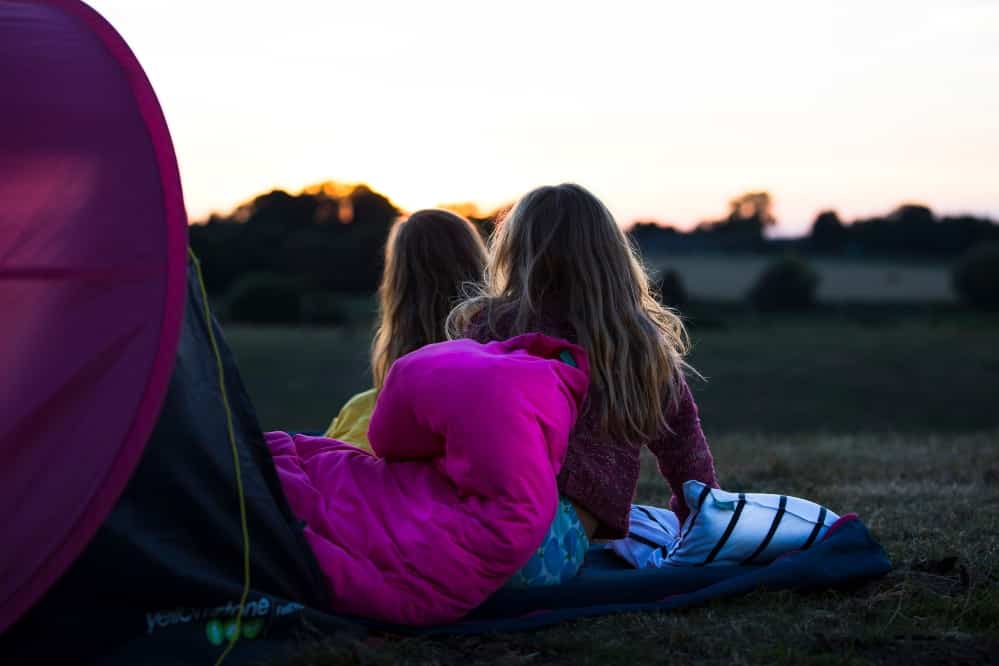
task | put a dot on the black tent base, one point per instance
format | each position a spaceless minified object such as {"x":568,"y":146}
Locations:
{"x":201,"y":642}
{"x":169,"y":560}
{"x":605,"y":586}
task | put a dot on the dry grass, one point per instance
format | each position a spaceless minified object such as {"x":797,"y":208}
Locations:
{"x":848,"y":404}
{"x":932,"y":501}
{"x":830,"y":372}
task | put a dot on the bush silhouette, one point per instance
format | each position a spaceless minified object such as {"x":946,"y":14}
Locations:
{"x":786,"y":284}
{"x":265,"y":298}
{"x":976,"y":277}
{"x":671,"y":290}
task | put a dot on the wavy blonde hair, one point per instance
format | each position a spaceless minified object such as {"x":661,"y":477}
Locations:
{"x":559,"y":256}
{"x":428,"y":257}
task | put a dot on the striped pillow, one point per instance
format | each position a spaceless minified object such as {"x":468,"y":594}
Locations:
{"x":745,"y":528}
{"x":652,"y":533}
{"x":723,"y":528}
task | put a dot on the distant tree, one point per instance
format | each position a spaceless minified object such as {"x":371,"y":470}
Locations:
{"x":754,"y":206}
{"x":216,"y":244}
{"x":960,"y":233}
{"x":915,"y":229}
{"x":278,"y":209}
{"x":263,"y":298}
{"x":373,"y":216}
{"x":467,"y":209}
{"x":786,"y":284}
{"x":829,"y":235}
{"x":329,"y":235}
{"x":651,"y":236}
{"x":749,"y":215}
{"x":370,"y":207}
{"x":913,"y":214}
{"x":976,"y":277}
{"x":910,"y":229}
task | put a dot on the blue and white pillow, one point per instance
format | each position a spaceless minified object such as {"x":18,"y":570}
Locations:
{"x":653,"y":532}
{"x":723,"y":528}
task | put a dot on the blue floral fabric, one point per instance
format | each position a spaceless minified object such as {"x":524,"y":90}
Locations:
{"x":560,"y":554}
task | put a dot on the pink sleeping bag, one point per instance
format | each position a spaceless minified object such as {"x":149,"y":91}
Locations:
{"x":469,"y":439}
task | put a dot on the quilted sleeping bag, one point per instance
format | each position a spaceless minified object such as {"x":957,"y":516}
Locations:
{"x":469,"y":438}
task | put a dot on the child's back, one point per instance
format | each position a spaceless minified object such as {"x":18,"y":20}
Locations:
{"x":428,"y":257}
{"x":560,"y":265}
{"x":600,"y":473}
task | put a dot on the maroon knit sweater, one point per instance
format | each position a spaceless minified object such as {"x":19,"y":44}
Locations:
{"x":600,"y":474}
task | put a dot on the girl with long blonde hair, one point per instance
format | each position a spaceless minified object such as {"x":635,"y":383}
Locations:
{"x":428,"y":257}
{"x":559,"y":264}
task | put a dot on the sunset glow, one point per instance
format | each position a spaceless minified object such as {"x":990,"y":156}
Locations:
{"x":665,"y":110}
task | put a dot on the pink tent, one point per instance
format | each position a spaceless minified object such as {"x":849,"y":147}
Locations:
{"x":92,"y":282}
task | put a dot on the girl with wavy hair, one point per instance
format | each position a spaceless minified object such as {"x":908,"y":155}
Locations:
{"x":559,"y":264}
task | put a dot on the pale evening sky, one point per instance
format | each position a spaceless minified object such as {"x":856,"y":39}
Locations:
{"x":663,"y":109}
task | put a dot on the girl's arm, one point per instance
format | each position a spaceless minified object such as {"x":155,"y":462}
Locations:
{"x":683,"y":454}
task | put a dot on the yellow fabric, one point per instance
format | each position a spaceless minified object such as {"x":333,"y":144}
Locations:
{"x":351,"y":424}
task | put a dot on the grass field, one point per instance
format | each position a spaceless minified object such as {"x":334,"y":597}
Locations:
{"x":932,"y":501}
{"x":887,"y":413}
{"x":727,"y":278}
{"x":902,"y":370}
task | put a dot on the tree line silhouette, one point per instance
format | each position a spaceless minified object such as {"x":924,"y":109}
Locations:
{"x":327,"y":237}
{"x":330,"y":237}
{"x":909,"y":231}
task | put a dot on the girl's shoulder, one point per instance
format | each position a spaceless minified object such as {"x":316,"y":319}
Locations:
{"x":362,"y":402}
{"x":478,"y":328}
{"x":351,"y":423}
{"x":486,"y":326}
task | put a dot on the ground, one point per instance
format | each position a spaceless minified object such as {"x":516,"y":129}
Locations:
{"x":887,"y":413}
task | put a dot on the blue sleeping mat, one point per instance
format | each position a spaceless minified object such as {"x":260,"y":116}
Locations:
{"x":606,"y":585}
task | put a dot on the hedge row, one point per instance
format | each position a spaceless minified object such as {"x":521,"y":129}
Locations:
{"x":787,"y":284}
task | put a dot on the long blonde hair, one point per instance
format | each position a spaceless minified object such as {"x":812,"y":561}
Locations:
{"x":559,"y":256}
{"x":428,"y":257}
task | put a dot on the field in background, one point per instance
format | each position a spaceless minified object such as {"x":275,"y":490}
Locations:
{"x":886,"y":338}
{"x":299,"y":377}
{"x":727,"y":278}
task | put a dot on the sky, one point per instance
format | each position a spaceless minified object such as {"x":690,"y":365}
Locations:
{"x":665,"y":110}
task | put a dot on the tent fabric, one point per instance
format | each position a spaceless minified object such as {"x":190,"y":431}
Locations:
{"x":92,"y":244}
{"x":164,"y":575}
